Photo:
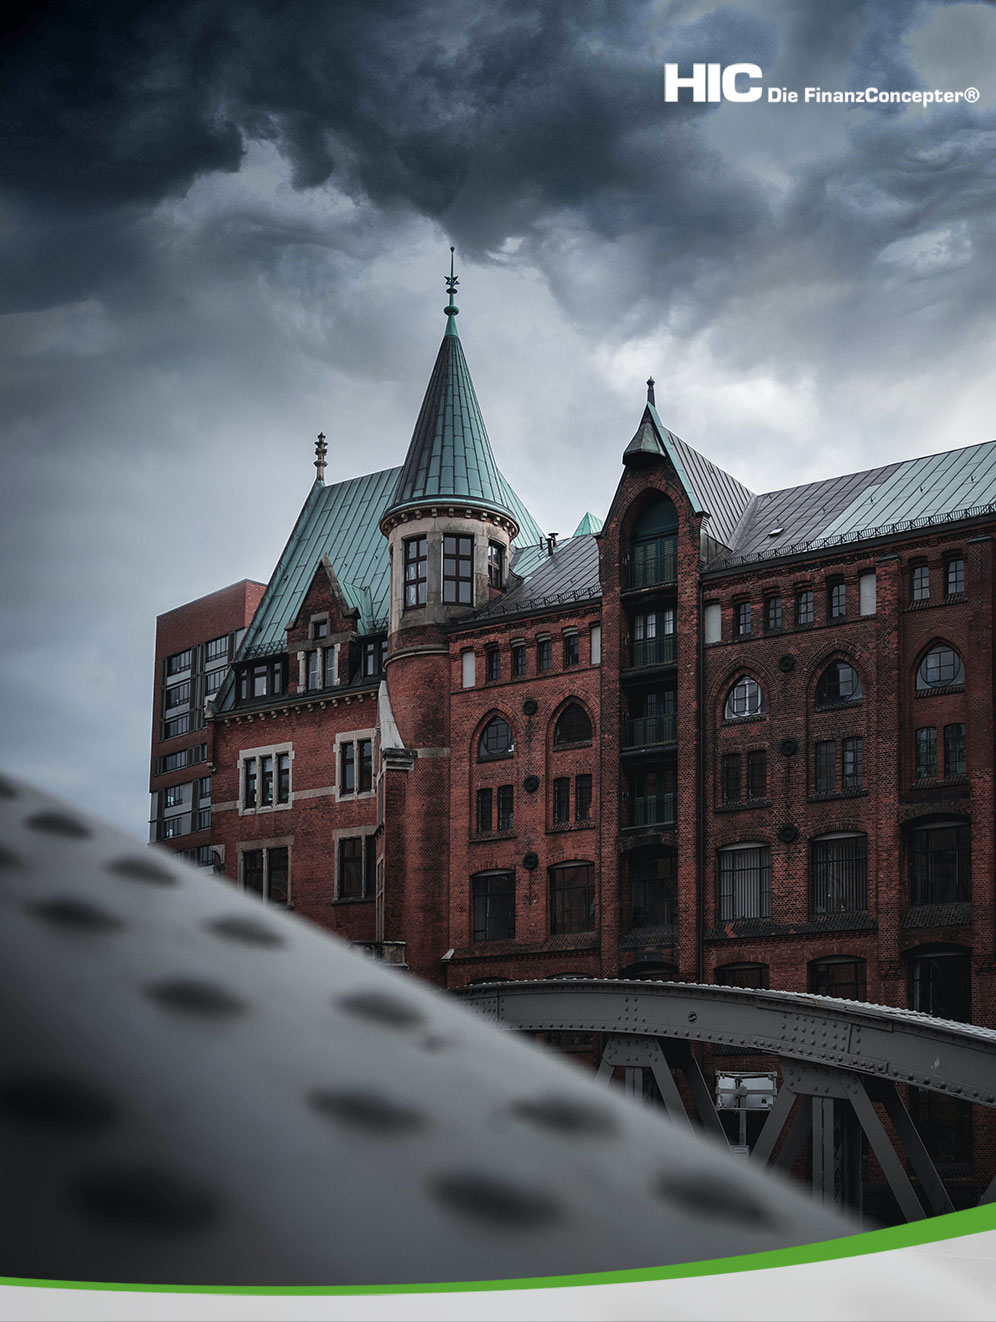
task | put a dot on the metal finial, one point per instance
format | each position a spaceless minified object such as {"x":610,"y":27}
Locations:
{"x":452,"y":281}
{"x":321,"y":450}
{"x":650,"y":391}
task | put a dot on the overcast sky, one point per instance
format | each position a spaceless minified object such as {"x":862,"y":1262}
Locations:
{"x":226,"y":226}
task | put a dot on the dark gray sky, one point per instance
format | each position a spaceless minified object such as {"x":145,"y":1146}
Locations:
{"x":226,"y":227}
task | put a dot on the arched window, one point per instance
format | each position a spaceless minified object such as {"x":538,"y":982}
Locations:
{"x":746,"y":698}
{"x":838,"y":683}
{"x":653,"y":545}
{"x":941,"y":666}
{"x":573,"y":726}
{"x":496,"y":740}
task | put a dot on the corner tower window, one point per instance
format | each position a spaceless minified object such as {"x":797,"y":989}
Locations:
{"x":416,"y":560}
{"x":458,"y":570}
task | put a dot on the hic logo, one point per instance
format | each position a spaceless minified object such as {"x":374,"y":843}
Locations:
{"x":714,"y":82}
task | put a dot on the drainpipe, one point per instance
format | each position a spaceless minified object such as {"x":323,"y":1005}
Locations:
{"x":700,"y":793}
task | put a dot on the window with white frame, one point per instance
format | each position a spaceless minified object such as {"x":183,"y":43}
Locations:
{"x":354,"y":764}
{"x":265,"y":778}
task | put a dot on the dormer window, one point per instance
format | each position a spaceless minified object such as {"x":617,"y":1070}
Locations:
{"x":458,"y":570}
{"x":319,"y":628}
{"x":496,"y":565}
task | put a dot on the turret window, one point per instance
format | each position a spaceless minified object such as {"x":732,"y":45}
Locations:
{"x":496,"y":564}
{"x":416,"y":561}
{"x":458,"y":570}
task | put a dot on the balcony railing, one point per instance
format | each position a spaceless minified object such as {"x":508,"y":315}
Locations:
{"x":651,"y":570}
{"x":654,"y":810}
{"x":654,"y":651}
{"x":639,"y":731}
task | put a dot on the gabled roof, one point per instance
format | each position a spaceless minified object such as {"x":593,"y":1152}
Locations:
{"x":570,"y":574}
{"x":449,"y":453}
{"x":342,"y":522}
{"x":709,"y":488}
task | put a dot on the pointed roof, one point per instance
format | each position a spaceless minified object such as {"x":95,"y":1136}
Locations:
{"x":591,"y":523}
{"x":450,"y":455}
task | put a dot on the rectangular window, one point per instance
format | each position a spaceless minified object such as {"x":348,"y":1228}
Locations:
{"x":283,"y":777}
{"x":838,"y":977}
{"x":365,"y":758}
{"x":356,"y":766}
{"x":373,"y":657}
{"x":518,"y":659}
{"x":212,"y":681}
{"x":562,"y":799}
{"x":836,"y":600}
{"x":493,"y":899}
{"x":772,"y":614}
{"x":852,"y":763}
{"x":582,"y":798}
{"x":731,"y":777}
{"x":839,"y":874}
{"x":216,"y":649}
{"x":954,"y":577}
{"x":493,"y":656}
{"x":867,"y":593}
{"x":177,"y":726}
{"x":940,"y":864}
{"x":416,"y":561}
{"x":743,"y":618}
{"x":920,"y":583}
{"x":458,"y":570}
{"x":926,"y":753}
{"x":266,"y":781}
{"x":804,"y":607}
{"x":713,"y":622}
{"x":175,"y":796}
{"x":505,"y":808}
{"x":544,"y":654}
{"x":266,"y":872}
{"x":496,"y":565}
{"x":260,"y":681}
{"x":249,"y":798}
{"x":483,"y":817}
{"x":572,"y":898}
{"x":331,"y":677}
{"x":203,"y":821}
{"x":351,"y":868}
{"x":954,"y":750}
{"x":468,"y":667}
{"x":757,"y":773}
{"x":596,"y":644}
{"x":572,"y":649}
{"x":319,"y":629}
{"x":316,"y":670}
{"x":744,"y":883}
{"x":825,"y":778}
{"x":179,"y":662}
{"x":177,"y":695}
{"x":347,"y":768}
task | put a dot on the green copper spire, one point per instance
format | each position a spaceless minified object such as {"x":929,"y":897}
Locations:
{"x":450,"y":456}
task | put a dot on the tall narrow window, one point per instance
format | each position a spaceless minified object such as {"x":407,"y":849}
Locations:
{"x":825,"y":778}
{"x":347,"y":769}
{"x":852,"y":763}
{"x":731,"y":777}
{"x":572,"y":898}
{"x":249,"y":801}
{"x":757,"y":773}
{"x":283,"y":778}
{"x":416,"y":562}
{"x":920,"y":583}
{"x":743,"y":618}
{"x":493,"y":899}
{"x":836,"y":599}
{"x":804,"y":607}
{"x":331,"y":668}
{"x":496,"y":565}
{"x":458,"y":570}
{"x":266,"y":781}
{"x":839,"y":874}
{"x":365,"y":758}
{"x":772,"y":614}
{"x":484,"y":816}
{"x":506,"y":818}
{"x":351,"y":885}
{"x":493,"y":658}
{"x":518,"y":659}
{"x":315,"y":669}
{"x":562,"y":800}
{"x":954,"y":577}
{"x":926,"y":753}
{"x":572,"y":652}
{"x":744,"y":882}
{"x":544,"y":653}
{"x":954,"y":750}
{"x":582,"y":798}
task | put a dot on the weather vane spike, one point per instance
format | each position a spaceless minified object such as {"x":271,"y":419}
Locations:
{"x":451,"y":308}
{"x":321,"y":450}
{"x":650,"y":390}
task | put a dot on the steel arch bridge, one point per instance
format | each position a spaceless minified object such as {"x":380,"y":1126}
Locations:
{"x":837,"y":1058}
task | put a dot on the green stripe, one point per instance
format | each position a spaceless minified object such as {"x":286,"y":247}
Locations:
{"x":930,"y":1231}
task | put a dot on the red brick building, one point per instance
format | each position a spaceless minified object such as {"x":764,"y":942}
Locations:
{"x":724,"y":737}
